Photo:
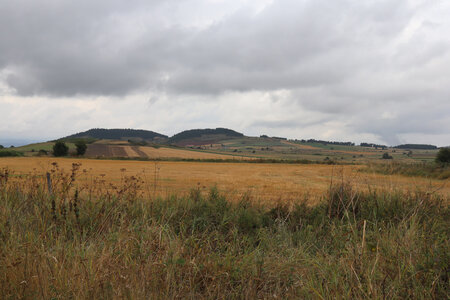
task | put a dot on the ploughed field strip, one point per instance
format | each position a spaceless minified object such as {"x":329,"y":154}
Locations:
{"x":133,"y":151}
{"x":115,"y":151}
{"x":99,"y":150}
{"x":139,"y":151}
{"x":151,"y":152}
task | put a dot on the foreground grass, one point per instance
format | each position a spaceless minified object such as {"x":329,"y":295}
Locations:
{"x":116,"y":245}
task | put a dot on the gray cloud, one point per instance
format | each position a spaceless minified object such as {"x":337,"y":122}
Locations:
{"x":64,"y":48}
{"x":376,"y":68}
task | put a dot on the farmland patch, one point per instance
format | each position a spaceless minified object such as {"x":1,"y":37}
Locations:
{"x":262,"y":182}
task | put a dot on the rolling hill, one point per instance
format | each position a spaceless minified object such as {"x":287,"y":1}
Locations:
{"x":203,"y":136}
{"x":117,"y":134}
{"x":220,"y":143}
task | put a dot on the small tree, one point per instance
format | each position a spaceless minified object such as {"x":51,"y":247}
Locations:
{"x":386,"y":156}
{"x":443,"y":155}
{"x":60,"y":149}
{"x":42,"y":152}
{"x":1,"y":147}
{"x":81,"y":147}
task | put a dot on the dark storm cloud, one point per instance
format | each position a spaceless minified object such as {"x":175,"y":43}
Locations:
{"x":81,"y":47}
{"x":96,"y":48}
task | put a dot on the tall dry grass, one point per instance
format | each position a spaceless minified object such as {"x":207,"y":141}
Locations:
{"x":104,"y":243}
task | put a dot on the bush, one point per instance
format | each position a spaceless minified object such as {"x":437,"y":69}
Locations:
{"x":443,"y":155}
{"x":81,"y":147}
{"x":6,"y":153}
{"x":386,"y":156}
{"x":42,"y":152}
{"x":60,"y":149}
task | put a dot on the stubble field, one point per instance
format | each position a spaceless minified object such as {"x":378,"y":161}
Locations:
{"x":100,"y":150}
{"x":258,"y":182}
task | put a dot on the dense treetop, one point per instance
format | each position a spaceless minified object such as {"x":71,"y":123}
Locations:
{"x":196,"y":133}
{"x":60,"y":149}
{"x":416,"y":146}
{"x":443,"y":155}
{"x":116,"y":134}
{"x":326,"y":142}
{"x":372,"y":145}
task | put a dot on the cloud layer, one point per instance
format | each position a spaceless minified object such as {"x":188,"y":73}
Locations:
{"x":377,"y":70}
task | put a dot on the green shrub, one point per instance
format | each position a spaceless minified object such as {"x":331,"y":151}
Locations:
{"x":60,"y":149}
{"x":6,"y":153}
{"x":443,"y":156}
{"x":81,"y":147}
{"x":42,"y":152}
{"x":386,"y":156}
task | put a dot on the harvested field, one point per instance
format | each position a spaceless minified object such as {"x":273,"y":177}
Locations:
{"x":151,"y":152}
{"x":132,"y":151}
{"x":101,"y":150}
{"x":262,"y":182}
{"x":307,"y":147}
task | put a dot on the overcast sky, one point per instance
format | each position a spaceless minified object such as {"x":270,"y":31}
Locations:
{"x":362,"y":71}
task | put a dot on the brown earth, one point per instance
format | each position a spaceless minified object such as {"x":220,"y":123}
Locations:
{"x":101,"y":150}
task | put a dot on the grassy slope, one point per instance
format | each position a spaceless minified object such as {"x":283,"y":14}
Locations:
{"x":277,"y":149}
{"x":96,"y":245}
{"x":47,"y":146}
{"x":257,"y":147}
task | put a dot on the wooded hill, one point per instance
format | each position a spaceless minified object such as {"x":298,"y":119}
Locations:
{"x":117,"y":134}
{"x":416,"y":146}
{"x":199,"y":133}
{"x":204,"y":136}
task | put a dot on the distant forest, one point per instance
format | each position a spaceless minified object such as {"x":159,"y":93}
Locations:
{"x":195,"y":133}
{"x":416,"y":146}
{"x":116,"y":134}
{"x":376,"y":146}
{"x":327,"y":142}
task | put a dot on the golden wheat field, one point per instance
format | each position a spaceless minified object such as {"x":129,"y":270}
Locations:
{"x":260,"y":182}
